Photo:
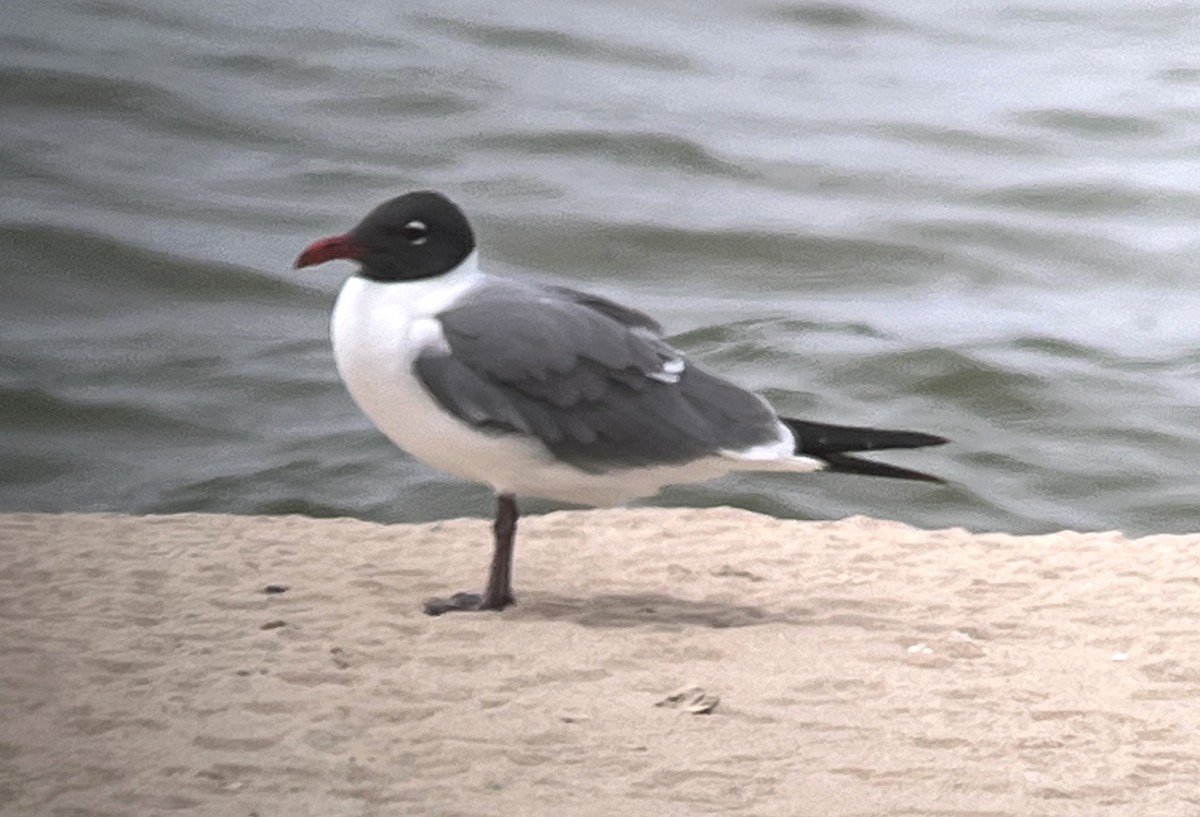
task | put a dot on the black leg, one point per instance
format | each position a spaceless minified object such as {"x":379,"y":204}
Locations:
{"x":498,"y":594}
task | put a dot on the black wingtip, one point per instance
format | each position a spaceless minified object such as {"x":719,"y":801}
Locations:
{"x":846,"y":464}
{"x":816,"y":439}
{"x":832,"y":444}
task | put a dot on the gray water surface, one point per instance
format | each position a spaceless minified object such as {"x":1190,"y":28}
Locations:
{"x":977,"y":222}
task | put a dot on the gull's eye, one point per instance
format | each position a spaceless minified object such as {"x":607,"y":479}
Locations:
{"x":415,"y":232}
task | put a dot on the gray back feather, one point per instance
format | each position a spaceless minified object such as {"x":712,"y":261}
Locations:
{"x":593,"y":380}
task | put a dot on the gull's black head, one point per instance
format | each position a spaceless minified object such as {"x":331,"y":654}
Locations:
{"x":417,"y":235}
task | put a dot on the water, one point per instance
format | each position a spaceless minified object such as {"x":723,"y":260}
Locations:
{"x":978,"y":222}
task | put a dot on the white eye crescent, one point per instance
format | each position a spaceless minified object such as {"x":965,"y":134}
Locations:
{"x":415,"y":232}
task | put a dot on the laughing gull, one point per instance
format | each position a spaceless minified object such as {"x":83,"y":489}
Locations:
{"x":544,"y":391}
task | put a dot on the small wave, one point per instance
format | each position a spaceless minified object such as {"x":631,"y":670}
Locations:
{"x":1054,"y":347}
{"x":1091,"y":123}
{"x":72,"y":92}
{"x":128,"y":13}
{"x":832,"y":15}
{"x":1181,"y":75}
{"x":1093,"y":198}
{"x":101,"y":267}
{"x":37,"y":409}
{"x":639,"y":149}
{"x":558,"y":43}
{"x":32,"y":468}
{"x":762,"y":259}
{"x":1006,"y":251}
{"x":952,"y":376}
{"x":399,"y":103}
{"x":1061,"y":350}
{"x":738,"y":331}
{"x":11,"y":44}
{"x":963,"y":140}
{"x":276,"y":491}
{"x":289,"y":71}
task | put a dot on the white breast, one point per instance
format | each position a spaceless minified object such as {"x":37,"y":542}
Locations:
{"x":378,"y":330}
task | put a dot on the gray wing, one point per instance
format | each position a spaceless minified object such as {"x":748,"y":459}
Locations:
{"x":593,"y":380}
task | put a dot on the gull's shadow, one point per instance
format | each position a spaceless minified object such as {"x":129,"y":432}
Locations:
{"x":630,"y":610}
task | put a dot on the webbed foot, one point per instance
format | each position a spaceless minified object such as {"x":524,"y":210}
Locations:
{"x":467,"y":603}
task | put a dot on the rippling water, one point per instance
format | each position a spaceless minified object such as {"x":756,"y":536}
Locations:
{"x":979,"y":223}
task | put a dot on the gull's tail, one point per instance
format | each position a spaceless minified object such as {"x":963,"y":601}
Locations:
{"x":833,"y":444}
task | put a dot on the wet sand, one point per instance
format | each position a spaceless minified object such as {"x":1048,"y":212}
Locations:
{"x":862,"y":668}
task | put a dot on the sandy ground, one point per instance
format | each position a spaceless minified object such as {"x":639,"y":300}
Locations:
{"x":862,"y":668}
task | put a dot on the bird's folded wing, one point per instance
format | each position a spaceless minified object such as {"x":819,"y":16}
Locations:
{"x":594,"y":382}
